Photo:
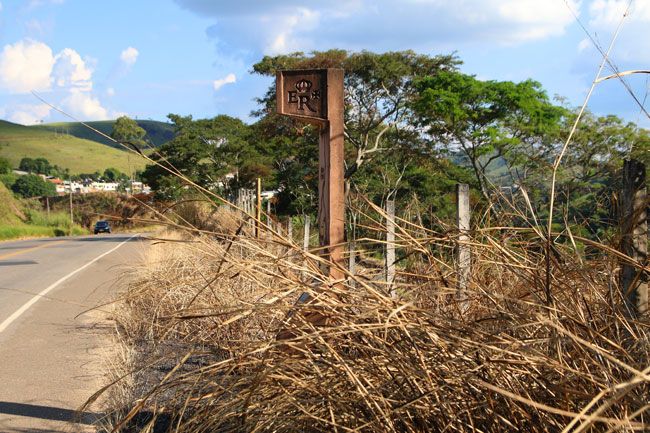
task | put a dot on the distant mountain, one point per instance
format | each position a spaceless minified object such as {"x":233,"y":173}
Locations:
{"x":158,"y":133}
{"x":67,"y":151}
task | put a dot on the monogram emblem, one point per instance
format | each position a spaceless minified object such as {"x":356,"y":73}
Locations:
{"x":303,"y":96}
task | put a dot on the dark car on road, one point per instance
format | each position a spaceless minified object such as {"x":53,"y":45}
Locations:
{"x":102,"y":227}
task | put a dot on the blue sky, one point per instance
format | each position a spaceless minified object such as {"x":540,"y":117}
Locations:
{"x":146,"y":58}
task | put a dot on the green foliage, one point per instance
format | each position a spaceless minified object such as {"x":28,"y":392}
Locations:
{"x":114,"y":175}
{"x":488,"y":120}
{"x":378,"y":88}
{"x":8,"y":179}
{"x":204,"y":151}
{"x":126,"y":129}
{"x":5,"y":166}
{"x":38,"y":165}
{"x":33,"y":186}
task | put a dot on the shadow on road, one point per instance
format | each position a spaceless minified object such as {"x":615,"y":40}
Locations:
{"x":49,"y":413}
{"x":17,"y":262}
{"x":100,"y":238}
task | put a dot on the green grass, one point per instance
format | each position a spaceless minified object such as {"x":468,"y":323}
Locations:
{"x":66,"y":151}
{"x":21,"y":231}
{"x":10,"y":208}
{"x":158,"y":133}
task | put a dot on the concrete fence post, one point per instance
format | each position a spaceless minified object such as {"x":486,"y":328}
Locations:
{"x":390,"y":244}
{"x":464,"y":258}
{"x":305,"y":236}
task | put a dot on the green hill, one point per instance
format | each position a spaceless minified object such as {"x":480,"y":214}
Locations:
{"x":158,"y":133}
{"x":66,"y":151}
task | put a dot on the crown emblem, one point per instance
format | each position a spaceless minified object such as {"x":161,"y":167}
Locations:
{"x":303,"y":86}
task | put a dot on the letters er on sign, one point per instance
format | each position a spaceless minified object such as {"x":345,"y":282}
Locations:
{"x":302,"y":94}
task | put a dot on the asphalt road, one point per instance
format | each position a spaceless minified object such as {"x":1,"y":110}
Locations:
{"x":51,"y":345}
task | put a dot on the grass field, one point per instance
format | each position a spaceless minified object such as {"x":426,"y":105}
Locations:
{"x":76,"y":154}
{"x":157,"y":132}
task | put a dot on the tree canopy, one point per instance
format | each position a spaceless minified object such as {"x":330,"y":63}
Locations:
{"x":32,"y":185}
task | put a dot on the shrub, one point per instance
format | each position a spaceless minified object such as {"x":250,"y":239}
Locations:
{"x":32,"y":185}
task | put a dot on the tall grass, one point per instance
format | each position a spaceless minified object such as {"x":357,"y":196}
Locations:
{"x":220,"y":342}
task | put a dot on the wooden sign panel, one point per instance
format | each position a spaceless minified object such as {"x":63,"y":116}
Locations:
{"x":302,"y":94}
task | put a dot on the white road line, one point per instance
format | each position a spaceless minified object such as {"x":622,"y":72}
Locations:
{"x":19,"y":312}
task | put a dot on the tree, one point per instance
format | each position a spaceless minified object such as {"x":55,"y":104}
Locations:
{"x":487,"y":120}
{"x":204,"y":151}
{"x":27,"y":164}
{"x":114,"y":175}
{"x":5,"y":166}
{"x":37,"y":165}
{"x":126,"y":129}
{"x":377,"y":90}
{"x":32,"y":185}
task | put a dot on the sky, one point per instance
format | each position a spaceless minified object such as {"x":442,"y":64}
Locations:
{"x":99,"y":60}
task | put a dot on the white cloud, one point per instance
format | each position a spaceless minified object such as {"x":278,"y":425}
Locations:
{"x":604,"y":18}
{"x":71,"y":71}
{"x":282,"y":26}
{"x":0,"y":7}
{"x":26,"y":66}
{"x":110,"y":92}
{"x":228,"y":79}
{"x":26,"y":114}
{"x":283,"y":35}
{"x":129,"y":56}
{"x":85,"y":106}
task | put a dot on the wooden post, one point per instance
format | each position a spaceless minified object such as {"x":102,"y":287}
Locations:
{"x":47,"y":202}
{"x":464,"y":258}
{"x":390,"y":244}
{"x":316,"y":96}
{"x":258,"y":219}
{"x":290,"y":229}
{"x":634,"y":237}
{"x":305,"y":233}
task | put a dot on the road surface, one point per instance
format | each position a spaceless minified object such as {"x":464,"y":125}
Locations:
{"x":50,"y":347}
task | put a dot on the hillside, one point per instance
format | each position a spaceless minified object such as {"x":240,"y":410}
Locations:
{"x":9,"y":207}
{"x":66,"y":151}
{"x":158,"y":133}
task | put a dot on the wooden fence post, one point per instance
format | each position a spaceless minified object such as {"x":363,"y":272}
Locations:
{"x":390,"y":244}
{"x":634,"y":236}
{"x":464,"y":258}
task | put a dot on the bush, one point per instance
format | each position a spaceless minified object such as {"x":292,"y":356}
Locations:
{"x":33,"y":186}
{"x":8,"y":179}
{"x":5,"y":166}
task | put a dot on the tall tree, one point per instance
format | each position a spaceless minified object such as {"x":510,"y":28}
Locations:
{"x":204,"y":151}
{"x":487,"y":120}
{"x":126,"y":129}
{"x":377,"y":89}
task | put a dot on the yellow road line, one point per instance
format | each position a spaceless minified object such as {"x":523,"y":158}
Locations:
{"x":26,"y":250}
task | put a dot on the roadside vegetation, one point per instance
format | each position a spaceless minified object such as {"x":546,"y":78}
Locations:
{"x":221,"y":330}
{"x":26,"y":219}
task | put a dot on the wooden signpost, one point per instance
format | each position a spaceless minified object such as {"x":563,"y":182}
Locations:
{"x":316,"y":96}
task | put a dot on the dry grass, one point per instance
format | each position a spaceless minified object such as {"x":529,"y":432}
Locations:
{"x":222,"y":345}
